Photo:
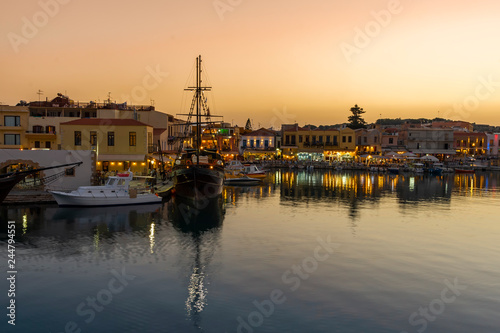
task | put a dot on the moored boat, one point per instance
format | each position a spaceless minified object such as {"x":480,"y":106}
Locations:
{"x":464,"y":170}
{"x":243,"y":180}
{"x":198,"y":173}
{"x":115,"y":192}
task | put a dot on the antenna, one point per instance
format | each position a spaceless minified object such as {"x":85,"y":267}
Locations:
{"x":39,"y":93}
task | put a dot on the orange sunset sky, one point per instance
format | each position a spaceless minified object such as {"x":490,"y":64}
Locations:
{"x":274,"y":61}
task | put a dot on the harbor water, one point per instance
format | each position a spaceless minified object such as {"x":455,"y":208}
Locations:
{"x":322,"y":251}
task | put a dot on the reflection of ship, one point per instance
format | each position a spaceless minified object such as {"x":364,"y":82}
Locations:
{"x":198,"y":172}
{"x":199,"y":230}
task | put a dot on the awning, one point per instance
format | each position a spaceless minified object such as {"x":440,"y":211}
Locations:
{"x":121,"y":157}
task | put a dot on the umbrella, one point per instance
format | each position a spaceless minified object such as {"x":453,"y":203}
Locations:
{"x":429,"y":158}
{"x":409,"y":154}
{"x":392,"y":154}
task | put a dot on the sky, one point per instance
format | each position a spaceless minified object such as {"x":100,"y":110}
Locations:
{"x":273,"y":61}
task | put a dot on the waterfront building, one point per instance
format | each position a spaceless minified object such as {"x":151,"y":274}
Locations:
{"x":260,"y":144}
{"x":120,"y":144}
{"x":368,"y":141}
{"x":433,"y":141}
{"x":45,"y":118}
{"x":13,"y":127}
{"x":470,"y":144}
{"x":493,"y":146}
{"x":392,"y":141}
{"x":317,"y":144}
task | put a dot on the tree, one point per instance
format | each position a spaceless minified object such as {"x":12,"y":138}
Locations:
{"x":248,"y":126}
{"x":356,"y":121}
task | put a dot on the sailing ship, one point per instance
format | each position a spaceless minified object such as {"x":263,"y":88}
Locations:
{"x":198,"y":172}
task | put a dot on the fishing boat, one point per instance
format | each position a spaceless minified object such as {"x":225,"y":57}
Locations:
{"x":9,"y":180}
{"x":464,"y":170}
{"x":242,"y":180}
{"x":235,"y":169}
{"x":116,"y":192}
{"x":198,"y":173}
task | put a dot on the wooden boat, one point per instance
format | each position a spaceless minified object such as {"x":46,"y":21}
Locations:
{"x":9,"y":180}
{"x":464,"y":170}
{"x":198,"y":173}
{"x":243,"y":180}
{"x":115,"y":192}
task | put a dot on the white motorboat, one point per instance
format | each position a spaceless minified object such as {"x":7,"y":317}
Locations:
{"x":115,"y":192}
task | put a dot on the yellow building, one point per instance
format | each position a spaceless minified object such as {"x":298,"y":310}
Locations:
{"x":120,"y":144}
{"x":307,"y":144}
{"x":13,"y":127}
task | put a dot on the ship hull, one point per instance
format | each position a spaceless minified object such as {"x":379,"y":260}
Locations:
{"x":71,"y":200}
{"x":197,"y":182}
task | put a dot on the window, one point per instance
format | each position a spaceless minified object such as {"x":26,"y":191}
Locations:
{"x":343,"y":138}
{"x":93,"y":138}
{"x":391,"y":140}
{"x":300,"y":138}
{"x":50,"y":129}
{"x":111,"y":138}
{"x":47,"y":144}
{"x":458,"y":143}
{"x":314,"y":139}
{"x":293,"y":140}
{"x":12,"y":120}
{"x":266,"y":143}
{"x":78,"y":138}
{"x":37,"y":144}
{"x":132,"y":139}
{"x":321,"y":139}
{"x":375,"y":139}
{"x":258,"y":143}
{"x":12,"y":139}
{"x":244,"y":143}
{"x":327,"y":139}
{"x":365,"y":139}
{"x":335,"y":142}
{"x":446,"y":146}
{"x":349,"y":138}
{"x":287,"y":139}
{"x":37,"y":129}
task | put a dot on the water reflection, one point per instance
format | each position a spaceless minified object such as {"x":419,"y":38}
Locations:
{"x":199,"y":227}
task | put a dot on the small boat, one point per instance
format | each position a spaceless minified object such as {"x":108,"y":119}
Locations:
{"x":253,"y":171}
{"x":418,"y":168}
{"x":464,"y":170}
{"x":243,"y":180}
{"x":115,"y":192}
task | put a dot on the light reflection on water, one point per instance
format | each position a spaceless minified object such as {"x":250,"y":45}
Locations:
{"x":400,"y":237}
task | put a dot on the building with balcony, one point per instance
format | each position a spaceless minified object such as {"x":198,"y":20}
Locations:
{"x":368,"y":141}
{"x":13,"y":127}
{"x":119,"y":144}
{"x":317,"y":144}
{"x":259,"y":144}
{"x":493,"y":146}
{"x":470,"y":144}
{"x":46,"y":117}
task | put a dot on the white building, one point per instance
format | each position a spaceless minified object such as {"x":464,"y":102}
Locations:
{"x":435,"y":141}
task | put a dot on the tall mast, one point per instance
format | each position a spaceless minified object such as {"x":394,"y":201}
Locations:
{"x":198,"y":117}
